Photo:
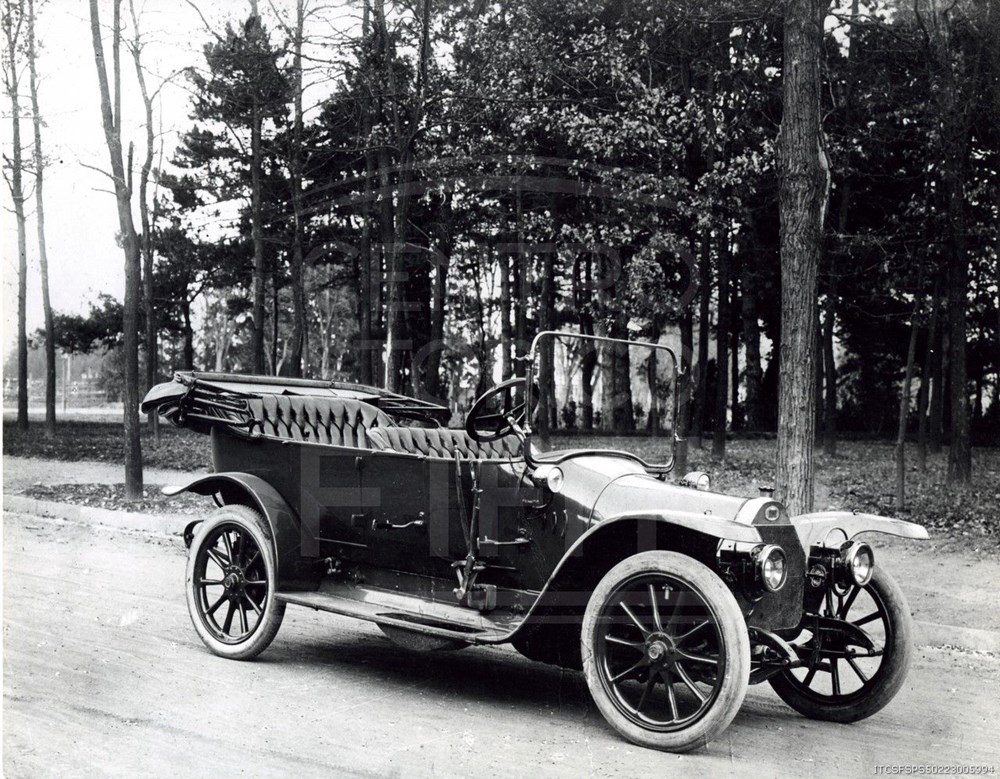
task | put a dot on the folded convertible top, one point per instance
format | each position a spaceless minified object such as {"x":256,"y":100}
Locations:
{"x":201,"y":400}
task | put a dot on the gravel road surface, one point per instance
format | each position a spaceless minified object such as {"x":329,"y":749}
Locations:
{"x":103,"y":675}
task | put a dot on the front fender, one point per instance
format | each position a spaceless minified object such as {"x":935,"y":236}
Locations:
{"x":816,"y":528}
{"x":608,"y":542}
{"x":717,"y":527}
{"x":246,"y":489}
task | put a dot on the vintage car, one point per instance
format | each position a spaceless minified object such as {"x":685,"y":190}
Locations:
{"x":671,"y":598}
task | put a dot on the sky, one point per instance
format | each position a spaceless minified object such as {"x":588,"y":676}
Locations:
{"x":80,"y":212}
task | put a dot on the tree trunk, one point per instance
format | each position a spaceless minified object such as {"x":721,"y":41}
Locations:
{"x":959,"y":445}
{"x":399,"y":349}
{"x":386,"y":232}
{"x":683,"y":420}
{"x":753,"y":372}
{"x":722,"y":351}
{"x":257,"y":236}
{"x":734,"y":354}
{"x":123,"y":194}
{"x":521,"y":343}
{"x":830,"y":308}
{"x":146,"y":239}
{"x":819,"y":372}
{"x":395,"y":321}
{"x":275,"y":316}
{"x":904,"y":397}
{"x":546,"y":358}
{"x":295,"y":169}
{"x":188,"y":351}
{"x":804,"y":182}
{"x":830,"y":377}
{"x":506,"y":330}
{"x":935,"y":419}
{"x":623,"y":410}
{"x":366,"y":337}
{"x":43,"y":257}
{"x":704,"y":332}
{"x":588,"y":360}
{"x":954,"y":150}
{"x":923,"y":400}
{"x":434,"y":389}
{"x":16,"y":184}
{"x":618,"y":409}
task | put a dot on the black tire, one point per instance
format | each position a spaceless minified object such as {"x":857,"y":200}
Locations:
{"x":680,"y":625}
{"x":869,"y":680}
{"x":231,"y":568}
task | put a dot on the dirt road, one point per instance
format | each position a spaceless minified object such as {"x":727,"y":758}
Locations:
{"x":103,"y":675}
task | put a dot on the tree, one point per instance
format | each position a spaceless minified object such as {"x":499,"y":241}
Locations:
{"x":804,"y":184}
{"x":405,"y":124}
{"x":828,"y":363}
{"x":147,"y":221}
{"x":244,"y":86}
{"x":13,"y":22}
{"x":937,"y":24}
{"x":904,"y":394}
{"x":43,"y":256}
{"x":295,"y":165}
{"x":111,"y":116}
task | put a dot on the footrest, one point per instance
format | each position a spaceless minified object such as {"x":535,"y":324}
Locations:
{"x":403,"y":611}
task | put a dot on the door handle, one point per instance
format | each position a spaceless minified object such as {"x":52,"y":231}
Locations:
{"x":384,"y":524}
{"x":488,"y":546}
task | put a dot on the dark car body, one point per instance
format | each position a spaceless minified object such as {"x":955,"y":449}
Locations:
{"x":377,"y":512}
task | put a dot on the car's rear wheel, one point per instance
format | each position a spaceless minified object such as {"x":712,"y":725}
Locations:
{"x":855,"y":671}
{"x":665,"y":651}
{"x":231,"y":583}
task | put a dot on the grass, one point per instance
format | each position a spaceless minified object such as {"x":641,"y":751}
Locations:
{"x":178,"y":449}
{"x":861,"y":476}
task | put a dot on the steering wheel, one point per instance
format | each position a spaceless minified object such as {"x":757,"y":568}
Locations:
{"x":495,"y":415}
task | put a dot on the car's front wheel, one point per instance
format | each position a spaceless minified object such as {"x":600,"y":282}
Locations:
{"x":231,"y":583}
{"x":665,"y":651}
{"x":857,"y":648}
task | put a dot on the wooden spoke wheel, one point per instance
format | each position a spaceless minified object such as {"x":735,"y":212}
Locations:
{"x":231,"y":583}
{"x":665,"y":651}
{"x":857,"y":647}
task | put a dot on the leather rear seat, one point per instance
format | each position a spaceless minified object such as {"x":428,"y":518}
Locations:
{"x":335,"y":421}
{"x":346,"y":422}
{"x":441,"y":442}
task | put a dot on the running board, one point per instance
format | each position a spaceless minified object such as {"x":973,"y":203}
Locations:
{"x":405,"y":612}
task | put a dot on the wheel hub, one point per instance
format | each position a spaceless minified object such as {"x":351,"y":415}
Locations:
{"x":234,"y":580}
{"x":660,"y":649}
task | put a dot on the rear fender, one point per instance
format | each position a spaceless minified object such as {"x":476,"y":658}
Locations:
{"x":834,"y":527}
{"x":293,"y":572}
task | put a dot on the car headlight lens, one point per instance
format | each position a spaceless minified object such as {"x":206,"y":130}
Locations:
{"x":859,"y":560}
{"x":772,"y":568}
{"x":697,"y":479}
{"x":554,"y":480}
{"x":551,"y":476}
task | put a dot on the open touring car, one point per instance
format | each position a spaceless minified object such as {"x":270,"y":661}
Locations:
{"x":670,"y":597}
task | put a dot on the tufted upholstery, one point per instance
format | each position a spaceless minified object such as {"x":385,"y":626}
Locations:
{"x":335,"y":421}
{"x":439,"y":442}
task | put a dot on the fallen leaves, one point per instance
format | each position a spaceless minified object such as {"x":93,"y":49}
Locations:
{"x":112,"y":497}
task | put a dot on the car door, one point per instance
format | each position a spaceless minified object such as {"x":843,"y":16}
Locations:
{"x":406,"y":500}
{"x":330,"y":500}
{"x":520,"y":526}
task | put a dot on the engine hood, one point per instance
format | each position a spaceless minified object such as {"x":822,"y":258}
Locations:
{"x":634,"y":493}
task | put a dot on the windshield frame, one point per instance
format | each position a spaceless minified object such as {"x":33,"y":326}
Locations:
{"x":534,"y":458}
